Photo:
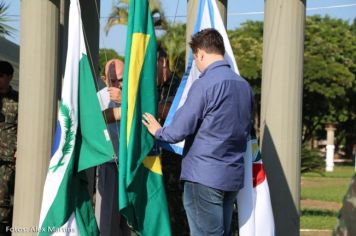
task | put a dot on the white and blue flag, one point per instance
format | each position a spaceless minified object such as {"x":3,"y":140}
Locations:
{"x":208,"y":17}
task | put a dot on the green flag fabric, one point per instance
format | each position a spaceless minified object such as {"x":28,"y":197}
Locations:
{"x":80,"y":142}
{"x":96,"y":147}
{"x":141,"y":193}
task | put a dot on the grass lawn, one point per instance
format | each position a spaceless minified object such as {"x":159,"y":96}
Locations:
{"x":322,"y":196}
{"x":324,"y":188}
{"x":339,"y":172}
{"x":318,"y":219}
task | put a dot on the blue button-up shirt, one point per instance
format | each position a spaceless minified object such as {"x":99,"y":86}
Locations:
{"x":215,"y":121}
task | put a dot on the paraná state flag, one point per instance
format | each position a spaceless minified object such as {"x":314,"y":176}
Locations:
{"x":81,"y":141}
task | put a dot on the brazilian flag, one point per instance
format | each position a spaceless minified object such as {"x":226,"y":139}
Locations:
{"x":141,"y":193}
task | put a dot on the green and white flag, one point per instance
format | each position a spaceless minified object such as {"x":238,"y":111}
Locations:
{"x":81,"y":141}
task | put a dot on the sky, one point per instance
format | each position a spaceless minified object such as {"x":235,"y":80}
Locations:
{"x":239,"y":11}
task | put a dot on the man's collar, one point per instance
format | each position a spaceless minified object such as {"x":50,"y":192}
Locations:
{"x":214,"y":65}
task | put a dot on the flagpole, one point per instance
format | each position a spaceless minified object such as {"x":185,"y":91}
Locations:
{"x":91,"y":30}
{"x":192,"y":9}
{"x":38,"y":75}
{"x":281,"y":108}
{"x":90,"y":10}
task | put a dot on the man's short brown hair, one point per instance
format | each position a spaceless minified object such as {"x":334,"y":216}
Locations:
{"x":209,"y":40}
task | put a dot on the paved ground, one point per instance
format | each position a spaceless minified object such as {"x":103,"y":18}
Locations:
{"x":315,"y":232}
{"x":314,"y":204}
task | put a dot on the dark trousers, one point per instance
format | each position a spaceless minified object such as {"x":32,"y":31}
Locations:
{"x":111,"y":222}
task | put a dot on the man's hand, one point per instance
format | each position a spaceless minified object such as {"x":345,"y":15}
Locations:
{"x":117,"y":113}
{"x":115,"y":94}
{"x":151,"y":123}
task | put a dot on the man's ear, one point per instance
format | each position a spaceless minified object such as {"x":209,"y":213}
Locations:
{"x":103,"y":78}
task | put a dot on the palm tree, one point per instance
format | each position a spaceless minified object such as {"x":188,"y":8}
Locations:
{"x":174,"y":44}
{"x":119,"y":14}
{"x":4,"y":28}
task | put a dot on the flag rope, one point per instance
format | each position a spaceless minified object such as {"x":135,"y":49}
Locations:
{"x":175,"y":66}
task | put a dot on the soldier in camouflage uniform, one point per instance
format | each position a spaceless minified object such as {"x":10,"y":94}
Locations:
{"x":171,"y":162}
{"x":8,"y":131}
{"x":347,"y":215}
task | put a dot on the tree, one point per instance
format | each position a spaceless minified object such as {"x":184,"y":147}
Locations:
{"x":329,"y":78}
{"x":173,"y":43}
{"x":5,"y":30}
{"x":329,"y":92}
{"x":119,"y":14}
{"x":106,"y":54}
{"x":312,"y":160}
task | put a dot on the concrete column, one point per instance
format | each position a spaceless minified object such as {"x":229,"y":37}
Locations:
{"x":281,"y":108}
{"x":38,"y":73}
{"x":330,"y":147}
{"x":192,"y":9}
{"x":222,"y":6}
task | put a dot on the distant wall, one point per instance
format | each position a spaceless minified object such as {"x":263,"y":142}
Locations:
{"x":10,"y":52}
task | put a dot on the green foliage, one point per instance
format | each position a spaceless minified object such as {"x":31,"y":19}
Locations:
{"x":311,"y":160}
{"x":329,"y":75}
{"x":173,"y":43}
{"x":5,"y":30}
{"x":119,"y":14}
{"x":106,"y":54}
{"x":353,"y":26}
{"x":246,"y":43}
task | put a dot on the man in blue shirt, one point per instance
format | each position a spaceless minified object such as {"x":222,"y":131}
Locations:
{"x":215,"y":121}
